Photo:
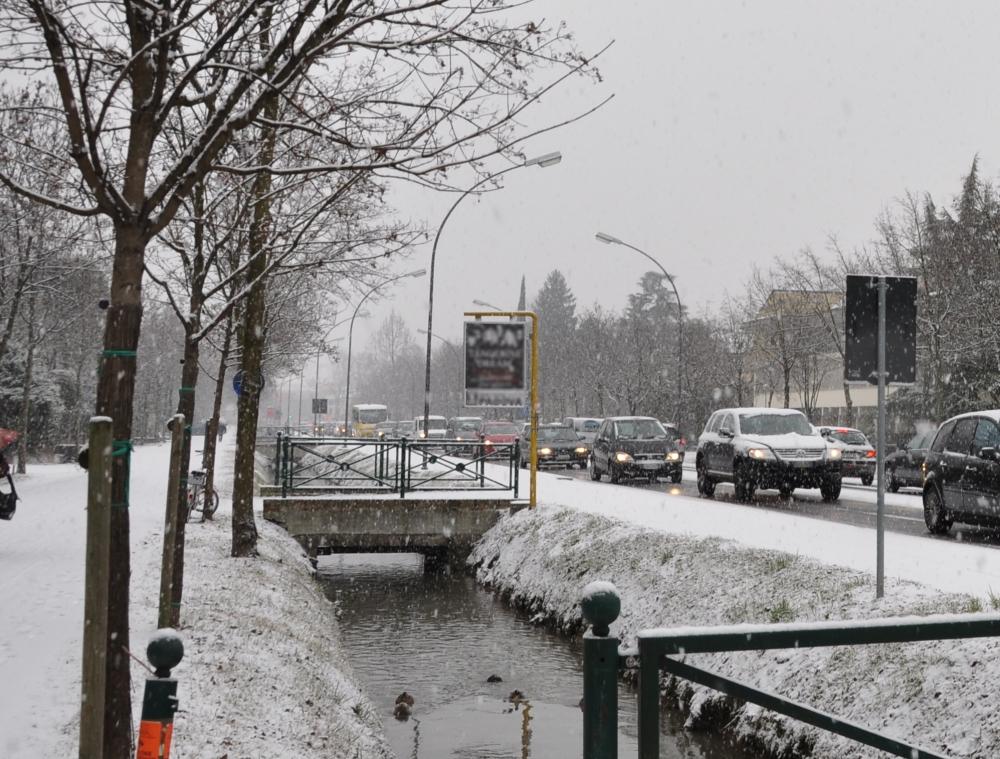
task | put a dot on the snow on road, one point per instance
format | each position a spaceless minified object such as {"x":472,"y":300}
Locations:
{"x":946,"y":564}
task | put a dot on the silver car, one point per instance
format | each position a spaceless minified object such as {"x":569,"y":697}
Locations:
{"x":859,"y":454}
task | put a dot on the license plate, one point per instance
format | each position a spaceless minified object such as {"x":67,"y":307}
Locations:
{"x":649,"y":464}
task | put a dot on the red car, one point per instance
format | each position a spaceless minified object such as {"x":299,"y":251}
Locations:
{"x":504,"y":433}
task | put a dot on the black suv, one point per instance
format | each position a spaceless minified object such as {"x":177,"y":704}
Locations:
{"x":962,"y":482}
{"x":766,"y":448}
{"x":634,"y":446}
{"x":905,"y":468}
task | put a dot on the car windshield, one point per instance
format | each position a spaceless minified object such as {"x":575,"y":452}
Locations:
{"x":466,"y":425}
{"x":850,"y":437}
{"x":640,"y":429}
{"x":775,"y":424}
{"x":405,"y":427}
{"x":556,"y":434}
{"x":500,"y":428}
{"x":370,"y":415}
{"x":921,"y":441}
{"x":590,"y":425}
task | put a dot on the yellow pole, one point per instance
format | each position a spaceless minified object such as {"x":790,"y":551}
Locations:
{"x":532,"y":498}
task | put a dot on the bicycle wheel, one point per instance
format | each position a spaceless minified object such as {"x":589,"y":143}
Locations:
{"x":210,"y":504}
{"x":192,"y":503}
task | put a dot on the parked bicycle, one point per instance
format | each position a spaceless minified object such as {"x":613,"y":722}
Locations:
{"x":199,"y":499}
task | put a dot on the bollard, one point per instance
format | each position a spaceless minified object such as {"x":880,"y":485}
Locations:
{"x":95,"y":603}
{"x":516,"y":463}
{"x":600,"y":605}
{"x":159,"y":701}
{"x":277,"y":461}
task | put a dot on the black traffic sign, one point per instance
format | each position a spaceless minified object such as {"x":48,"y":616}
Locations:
{"x":861,"y":329}
{"x":319,"y":405}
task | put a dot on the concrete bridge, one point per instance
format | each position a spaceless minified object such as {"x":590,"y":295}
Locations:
{"x":442,"y":527}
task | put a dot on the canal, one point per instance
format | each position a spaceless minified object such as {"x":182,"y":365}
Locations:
{"x":441,"y":637}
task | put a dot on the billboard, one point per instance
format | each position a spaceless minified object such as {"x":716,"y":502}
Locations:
{"x":495,"y":364}
{"x":861,"y":329}
{"x":319,"y":405}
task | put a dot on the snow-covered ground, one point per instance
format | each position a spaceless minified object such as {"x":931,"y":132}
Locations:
{"x":682,"y":561}
{"x":947,"y":564}
{"x":672,"y":571}
{"x":262,"y":676}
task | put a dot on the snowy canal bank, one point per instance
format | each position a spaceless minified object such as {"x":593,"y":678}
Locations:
{"x":942,"y":695}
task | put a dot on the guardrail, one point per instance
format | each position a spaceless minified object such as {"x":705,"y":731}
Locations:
{"x":603,"y":659}
{"x":393,"y":465}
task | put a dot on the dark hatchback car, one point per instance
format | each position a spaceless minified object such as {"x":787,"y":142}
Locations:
{"x":559,"y":445}
{"x":962,"y":483}
{"x":766,"y":448}
{"x":905,"y":468}
{"x":634,"y":446}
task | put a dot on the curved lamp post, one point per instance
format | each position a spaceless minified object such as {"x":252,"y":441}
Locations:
{"x":611,"y":240}
{"x":350,"y":337}
{"x":549,"y":159}
{"x":484,"y":304}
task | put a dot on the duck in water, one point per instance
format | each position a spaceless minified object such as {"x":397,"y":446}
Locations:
{"x":404,"y":706}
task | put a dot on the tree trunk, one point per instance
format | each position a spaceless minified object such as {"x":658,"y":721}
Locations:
{"x":849,"y":403}
{"x":115,"y":393}
{"x":25,"y":423}
{"x":212,"y":429}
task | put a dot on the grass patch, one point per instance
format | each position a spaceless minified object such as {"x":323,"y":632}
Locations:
{"x":782,"y":612}
{"x":974,"y":606}
{"x":994,"y":600}
{"x":778,"y":561}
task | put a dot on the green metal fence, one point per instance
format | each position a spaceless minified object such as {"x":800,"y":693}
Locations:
{"x":305,"y":465}
{"x":603,"y":659}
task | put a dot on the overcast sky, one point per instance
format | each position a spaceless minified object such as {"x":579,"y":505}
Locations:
{"x":738,"y":132}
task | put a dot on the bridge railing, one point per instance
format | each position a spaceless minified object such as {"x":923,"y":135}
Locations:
{"x":306,"y":465}
{"x":603,"y":659}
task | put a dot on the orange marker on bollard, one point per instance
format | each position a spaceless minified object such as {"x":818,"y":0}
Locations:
{"x":159,"y":701}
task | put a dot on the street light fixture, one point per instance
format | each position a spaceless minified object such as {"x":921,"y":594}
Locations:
{"x":543,"y":161}
{"x":612,"y":240}
{"x":350,"y":337}
{"x":484,"y":304}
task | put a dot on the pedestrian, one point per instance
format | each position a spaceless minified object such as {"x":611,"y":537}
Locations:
{"x":8,"y":500}
{"x":222,"y":428}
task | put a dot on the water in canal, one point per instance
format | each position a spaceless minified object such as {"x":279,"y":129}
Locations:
{"x":439,"y":637}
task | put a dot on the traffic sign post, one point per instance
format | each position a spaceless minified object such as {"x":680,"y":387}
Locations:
{"x":880,"y":352}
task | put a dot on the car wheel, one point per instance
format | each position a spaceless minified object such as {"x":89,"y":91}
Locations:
{"x":893,"y":483}
{"x":595,"y":473}
{"x":867,"y":479}
{"x":613,"y":474}
{"x":935,"y":517}
{"x":706,"y":486}
{"x":745,"y":487}
{"x":830,"y":489}
{"x":676,"y":477}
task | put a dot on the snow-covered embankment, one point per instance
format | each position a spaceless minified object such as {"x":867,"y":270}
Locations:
{"x":263,"y":672}
{"x":942,"y":695}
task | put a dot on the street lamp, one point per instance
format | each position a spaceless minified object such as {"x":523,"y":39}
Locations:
{"x":484,"y":304}
{"x":350,"y":337}
{"x":612,"y":240}
{"x":444,"y":340}
{"x":544,"y":161}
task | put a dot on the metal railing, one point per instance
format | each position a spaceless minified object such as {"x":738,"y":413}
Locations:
{"x":603,"y":659}
{"x":305,"y":465}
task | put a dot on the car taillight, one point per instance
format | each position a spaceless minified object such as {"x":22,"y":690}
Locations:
{"x":870,"y":454}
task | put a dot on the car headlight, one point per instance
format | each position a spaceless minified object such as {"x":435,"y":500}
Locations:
{"x":544,"y":451}
{"x":673,"y":456}
{"x":487,"y":442}
{"x":581,"y":449}
{"x":760,"y":454}
{"x":834,"y":453}
{"x":423,"y":434}
{"x":622,"y":458}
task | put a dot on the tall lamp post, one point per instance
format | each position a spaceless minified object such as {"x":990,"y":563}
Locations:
{"x":458,"y":358}
{"x":611,"y":240}
{"x":350,"y":337}
{"x":549,"y":159}
{"x":319,"y":349}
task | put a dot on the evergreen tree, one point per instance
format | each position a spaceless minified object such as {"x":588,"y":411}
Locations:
{"x":555,"y":305}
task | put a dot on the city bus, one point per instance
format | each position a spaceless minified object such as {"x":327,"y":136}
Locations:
{"x":364,"y":417}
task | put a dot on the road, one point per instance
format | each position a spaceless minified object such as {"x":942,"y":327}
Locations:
{"x":855,"y":507}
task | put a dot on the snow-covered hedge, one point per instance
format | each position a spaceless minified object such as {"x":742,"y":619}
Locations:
{"x":942,"y":695}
